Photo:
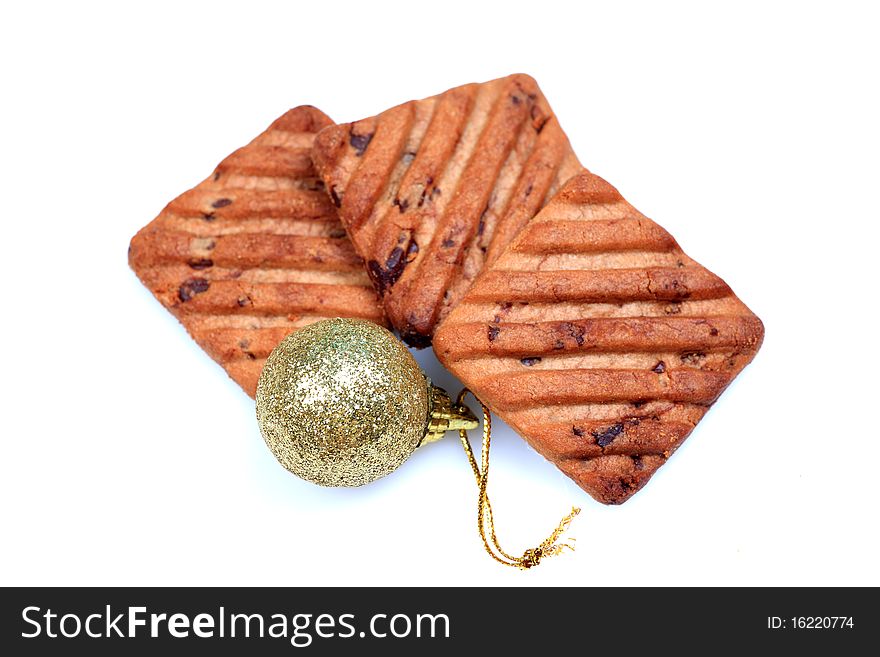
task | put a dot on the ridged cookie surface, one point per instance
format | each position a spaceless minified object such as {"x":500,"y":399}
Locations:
{"x":432,"y":189}
{"x":598,"y":340}
{"x":255,"y":251}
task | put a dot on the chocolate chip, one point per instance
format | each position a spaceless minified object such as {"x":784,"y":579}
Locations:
{"x":394,"y":259}
{"x":528,"y":362}
{"x":559,"y":344}
{"x":493,"y":333}
{"x":516,"y":100}
{"x":637,"y":462}
{"x":528,"y":190}
{"x":360,"y":142}
{"x":435,"y":192}
{"x":191,"y":287}
{"x":244,"y":343}
{"x":244,"y":301}
{"x":336,"y":198}
{"x":374,"y":269}
{"x":221,"y":203}
{"x":448,"y":243}
{"x":250,"y":355}
{"x":539,"y":119}
{"x":680,"y":289}
{"x":574,"y":331}
{"x":659,"y":368}
{"x":605,"y":437}
{"x":385,"y":277}
{"x":200,"y":263}
{"x":208,"y":216}
{"x":408,"y":157}
{"x":638,"y":403}
{"x":713,"y":331}
{"x":401,"y":205}
{"x":577,"y":431}
{"x":336,"y":233}
{"x":216,"y":176}
{"x":412,"y":251}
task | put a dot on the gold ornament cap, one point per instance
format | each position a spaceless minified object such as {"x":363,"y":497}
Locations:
{"x":342,"y":402}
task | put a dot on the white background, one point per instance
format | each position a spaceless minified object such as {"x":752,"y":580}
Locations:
{"x":128,"y":457}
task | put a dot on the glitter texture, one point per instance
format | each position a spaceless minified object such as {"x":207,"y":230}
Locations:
{"x":342,"y":402}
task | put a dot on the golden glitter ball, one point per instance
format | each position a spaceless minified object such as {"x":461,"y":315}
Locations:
{"x":342,"y":402}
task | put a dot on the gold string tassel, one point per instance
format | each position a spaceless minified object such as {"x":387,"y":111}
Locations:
{"x":549,"y":547}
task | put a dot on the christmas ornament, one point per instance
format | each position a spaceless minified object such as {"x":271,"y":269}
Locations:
{"x":342,"y":402}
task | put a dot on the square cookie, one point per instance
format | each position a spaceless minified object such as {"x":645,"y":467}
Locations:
{"x":598,"y":340}
{"x":255,"y":251}
{"x":431,"y":190}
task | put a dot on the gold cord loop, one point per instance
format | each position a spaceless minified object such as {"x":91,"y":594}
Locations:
{"x":485,"y":523}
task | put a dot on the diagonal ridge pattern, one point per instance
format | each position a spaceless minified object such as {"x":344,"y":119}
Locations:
{"x":597,"y":339}
{"x":255,"y":251}
{"x":432,"y":190}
